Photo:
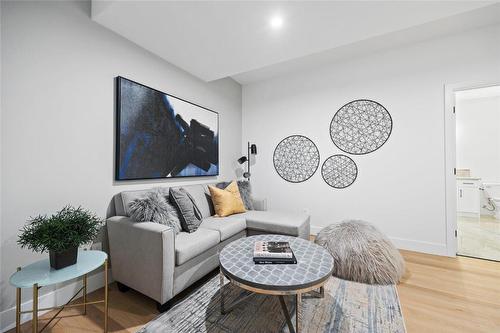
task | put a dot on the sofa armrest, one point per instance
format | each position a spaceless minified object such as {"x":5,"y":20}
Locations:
{"x":142,"y":256}
{"x":259,"y":204}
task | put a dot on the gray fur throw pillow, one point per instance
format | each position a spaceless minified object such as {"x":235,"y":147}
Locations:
{"x":245,"y":191}
{"x":362,"y":253}
{"x":155,"y":207}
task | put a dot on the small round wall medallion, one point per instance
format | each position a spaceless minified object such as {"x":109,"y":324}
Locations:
{"x":296,"y":158}
{"x":361,"y":127}
{"x":339,"y":171}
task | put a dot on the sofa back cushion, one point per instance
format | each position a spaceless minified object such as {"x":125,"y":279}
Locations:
{"x":123,"y":200}
{"x":201,"y":196}
{"x":199,"y":193}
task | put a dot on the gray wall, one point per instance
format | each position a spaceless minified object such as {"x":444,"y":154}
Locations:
{"x":57,"y":134}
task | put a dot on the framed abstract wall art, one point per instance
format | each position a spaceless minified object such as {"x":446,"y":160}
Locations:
{"x":162,"y":136}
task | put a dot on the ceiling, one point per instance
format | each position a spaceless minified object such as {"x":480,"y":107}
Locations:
{"x":218,"y":39}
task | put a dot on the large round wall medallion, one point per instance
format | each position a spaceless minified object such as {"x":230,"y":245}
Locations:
{"x":339,"y":171}
{"x":296,"y":158}
{"x":361,"y":127}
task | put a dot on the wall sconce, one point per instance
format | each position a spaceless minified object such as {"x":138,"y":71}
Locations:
{"x":251,"y":150}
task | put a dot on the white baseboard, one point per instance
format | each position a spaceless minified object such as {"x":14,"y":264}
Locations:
{"x":420,"y":246}
{"x":406,"y":244}
{"x":55,"y":298}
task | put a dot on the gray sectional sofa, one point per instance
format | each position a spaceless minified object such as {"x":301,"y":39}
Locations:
{"x":150,"y":258}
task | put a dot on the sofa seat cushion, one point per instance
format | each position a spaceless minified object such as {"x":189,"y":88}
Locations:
{"x":226,"y":226}
{"x":286,"y":223}
{"x":190,"y":245}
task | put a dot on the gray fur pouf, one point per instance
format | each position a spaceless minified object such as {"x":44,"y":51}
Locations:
{"x":362,"y":253}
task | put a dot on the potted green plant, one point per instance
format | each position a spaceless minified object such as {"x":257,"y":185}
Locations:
{"x":61,"y":234}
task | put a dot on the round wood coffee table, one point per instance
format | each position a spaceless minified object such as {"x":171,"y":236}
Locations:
{"x":314,"y":267}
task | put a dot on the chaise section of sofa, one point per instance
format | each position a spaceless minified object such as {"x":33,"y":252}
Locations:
{"x":150,"y":258}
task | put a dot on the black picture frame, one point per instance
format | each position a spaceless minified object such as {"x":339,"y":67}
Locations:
{"x":118,"y":114}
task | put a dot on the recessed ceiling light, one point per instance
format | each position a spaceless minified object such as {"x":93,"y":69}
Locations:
{"x":276,"y":22}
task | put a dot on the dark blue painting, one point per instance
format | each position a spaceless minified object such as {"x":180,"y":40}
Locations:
{"x":162,"y":136}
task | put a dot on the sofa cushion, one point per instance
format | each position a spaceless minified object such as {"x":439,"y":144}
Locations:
{"x":189,"y":213}
{"x":123,"y":199}
{"x":155,"y":207}
{"x":245,"y":192}
{"x":293,"y":224}
{"x":226,"y":226}
{"x":201,"y":195}
{"x":190,"y":245}
{"x":126,"y":197}
{"x":227,"y":201}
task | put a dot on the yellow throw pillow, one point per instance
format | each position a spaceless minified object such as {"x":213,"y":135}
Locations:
{"x":227,"y":201}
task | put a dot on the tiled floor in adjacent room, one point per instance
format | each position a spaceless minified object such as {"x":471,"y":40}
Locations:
{"x":479,"y":238}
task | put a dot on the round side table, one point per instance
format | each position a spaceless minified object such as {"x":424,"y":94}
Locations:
{"x":40,"y":274}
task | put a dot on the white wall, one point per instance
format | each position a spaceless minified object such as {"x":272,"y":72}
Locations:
{"x":400,"y":187}
{"x":478,"y":137}
{"x":57,"y":128}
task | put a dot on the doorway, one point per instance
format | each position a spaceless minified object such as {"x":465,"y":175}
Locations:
{"x":477,"y":175}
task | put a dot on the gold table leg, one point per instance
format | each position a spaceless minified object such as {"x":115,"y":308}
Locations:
{"x":106,"y":296}
{"x":84,"y":294}
{"x":34,"y":320}
{"x":298,"y":312}
{"x":35,"y":309}
{"x":18,"y":307}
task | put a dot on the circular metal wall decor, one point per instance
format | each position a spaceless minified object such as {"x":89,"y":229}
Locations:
{"x":361,"y":127}
{"x":339,"y":171}
{"x":296,"y":158}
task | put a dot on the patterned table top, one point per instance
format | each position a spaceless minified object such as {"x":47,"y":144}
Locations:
{"x":314,"y":264}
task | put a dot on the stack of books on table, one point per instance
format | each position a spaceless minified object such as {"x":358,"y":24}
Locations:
{"x":273,"y":253}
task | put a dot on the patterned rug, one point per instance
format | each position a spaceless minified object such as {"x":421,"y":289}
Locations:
{"x":347,"y":307}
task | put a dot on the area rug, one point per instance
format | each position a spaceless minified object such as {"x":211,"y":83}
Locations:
{"x":347,"y":307}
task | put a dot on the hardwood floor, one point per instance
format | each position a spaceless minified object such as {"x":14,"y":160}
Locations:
{"x":438,"y":294}
{"x":128,"y":312}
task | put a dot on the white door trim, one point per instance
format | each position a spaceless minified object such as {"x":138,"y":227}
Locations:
{"x":450,"y":158}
